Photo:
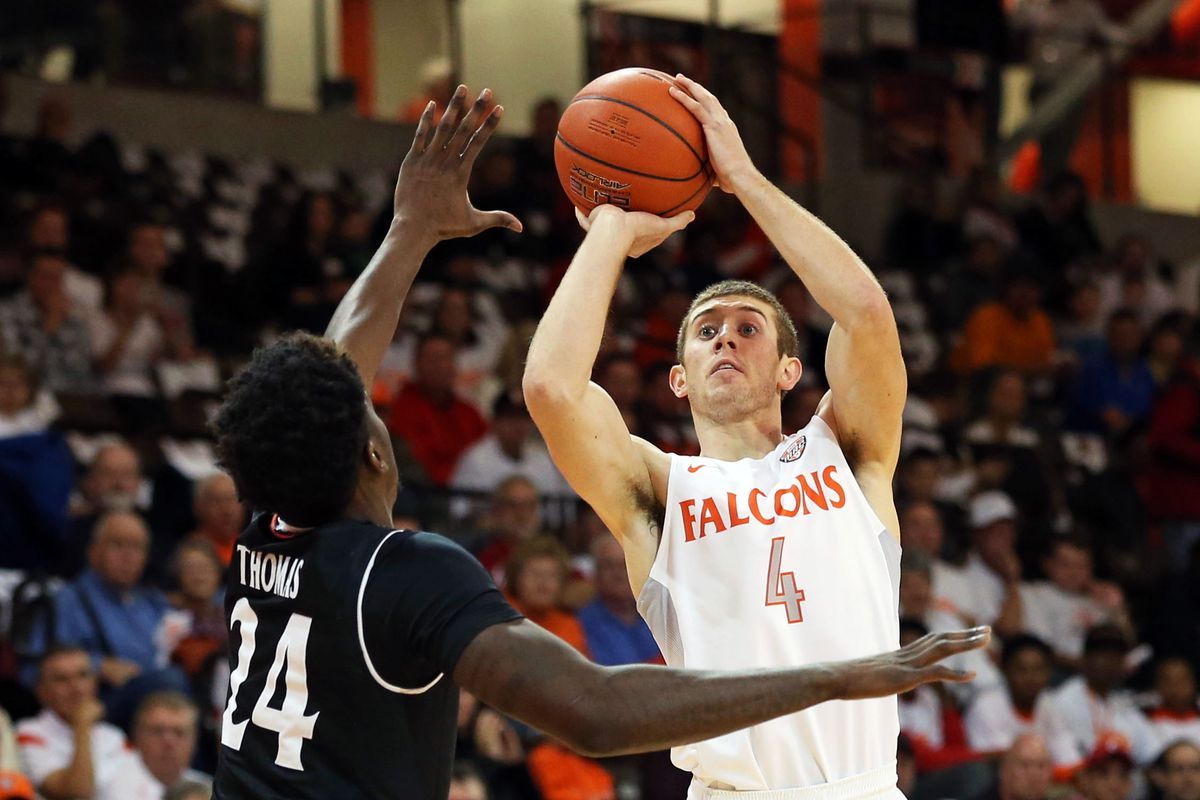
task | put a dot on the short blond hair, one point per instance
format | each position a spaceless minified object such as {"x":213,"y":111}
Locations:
{"x":786,"y":338}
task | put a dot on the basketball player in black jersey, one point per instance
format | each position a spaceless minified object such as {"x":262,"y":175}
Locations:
{"x":349,"y":639}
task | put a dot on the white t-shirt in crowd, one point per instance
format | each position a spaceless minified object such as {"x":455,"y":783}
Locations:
{"x":133,"y":372}
{"x":993,"y":723}
{"x":1059,"y":618}
{"x":978,"y":594}
{"x":1173,"y":726}
{"x":47,"y":744}
{"x":1086,"y":716}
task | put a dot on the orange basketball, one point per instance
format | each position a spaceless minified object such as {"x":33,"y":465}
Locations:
{"x":624,"y":140}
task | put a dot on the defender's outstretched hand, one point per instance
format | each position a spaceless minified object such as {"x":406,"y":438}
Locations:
{"x":907,"y":668}
{"x":726,"y":152}
{"x":432,"y":187}
{"x":643,"y":231}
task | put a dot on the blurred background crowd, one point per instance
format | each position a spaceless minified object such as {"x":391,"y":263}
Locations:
{"x":1049,"y":481}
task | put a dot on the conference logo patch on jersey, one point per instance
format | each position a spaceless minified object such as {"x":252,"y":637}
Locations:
{"x":794,"y":452}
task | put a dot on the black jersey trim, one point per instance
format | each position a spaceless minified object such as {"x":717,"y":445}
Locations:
{"x":362,"y":641}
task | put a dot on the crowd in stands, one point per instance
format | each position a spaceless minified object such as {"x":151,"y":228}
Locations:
{"x":1047,"y":484}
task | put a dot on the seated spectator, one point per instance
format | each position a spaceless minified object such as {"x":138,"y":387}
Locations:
{"x":1058,"y":230}
{"x":998,"y":716}
{"x":1176,"y":773}
{"x":929,"y":718}
{"x":220,"y":515}
{"x":561,"y":774}
{"x":620,"y":376}
{"x":201,"y":593}
{"x":49,"y":230}
{"x":515,"y":517}
{"x":466,"y":783}
{"x":969,"y":284}
{"x":1113,"y":391}
{"x":25,"y":407}
{"x":1001,"y":435}
{"x":1014,"y":332}
{"x":1063,"y":608}
{"x":1093,"y":704}
{"x":1026,"y":771}
{"x":534,"y":582}
{"x":1108,"y":772}
{"x":1165,"y":346}
{"x":437,"y":426}
{"x":922,"y":531}
{"x":1177,"y":714}
{"x":1081,"y":335}
{"x":510,"y":448}
{"x":1135,"y":280}
{"x":146,"y":254}
{"x":1174,"y":439}
{"x":304,"y":276}
{"x":992,"y":571}
{"x":68,"y":750}
{"x":126,"y":627}
{"x":39,"y":325}
{"x":616,"y":634}
{"x":164,"y":737}
{"x":112,"y":482}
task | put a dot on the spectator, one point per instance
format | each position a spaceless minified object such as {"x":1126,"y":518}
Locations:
{"x":922,"y":531}
{"x":535,"y":580}
{"x":1177,"y":715}
{"x":304,"y":276}
{"x":998,"y":716}
{"x":112,"y":482}
{"x":146,"y":254}
{"x":1093,"y":704}
{"x":1176,"y":773}
{"x":615,"y":633}
{"x":1135,"y":282}
{"x":1057,"y":231}
{"x":1082,"y":333}
{"x":475,"y":326}
{"x":466,"y":783}
{"x":68,"y":750}
{"x":561,"y":774}
{"x":128,"y":342}
{"x":437,"y":426}
{"x":1114,"y":390}
{"x":1174,"y":470}
{"x":992,"y":570}
{"x":508,"y":449}
{"x":1165,"y":347}
{"x":1025,"y":771}
{"x":220,"y":515}
{"x":200,"y":595}
{"x":969,"y":284}
{"x":1063,"y":608}
{"x":515,"y":517}
{"x":164,"y":736}
{"x":1014,"y":332}
{"x":39,"y":325}
{"x":25,"y":407}
{"x":1107,"y":773}
{"x":493,"y":747}
{"x":620,"y":377}
{"x":125,"y":627}
{"x":50,"y":231}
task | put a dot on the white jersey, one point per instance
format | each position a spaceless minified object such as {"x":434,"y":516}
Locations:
{"x":778,"y":562}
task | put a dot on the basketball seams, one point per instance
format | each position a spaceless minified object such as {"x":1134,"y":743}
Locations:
{"x":586,"y":154}
{"x":639,"y":109}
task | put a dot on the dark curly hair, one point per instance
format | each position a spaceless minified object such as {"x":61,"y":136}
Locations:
{"x":292,"y":427}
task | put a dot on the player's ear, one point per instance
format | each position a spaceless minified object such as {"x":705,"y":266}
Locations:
{"x":790,"y":370}
{"x":373,"y":456}
{"x":678,"y":380}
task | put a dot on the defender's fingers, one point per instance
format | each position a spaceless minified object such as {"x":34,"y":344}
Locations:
{"x":940,"y":672}
{"x":449,"y":121}
{"x":481,"y":135}
{"x":466,"y":129}
{"x":421,"y":137}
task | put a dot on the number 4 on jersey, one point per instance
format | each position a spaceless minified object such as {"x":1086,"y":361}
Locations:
{"x":781,"y":586}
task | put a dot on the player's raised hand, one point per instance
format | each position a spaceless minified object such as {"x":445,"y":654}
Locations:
{"x":643,"y":231}
{"x":907,"y":668}
{"x":726,"y":151}
{"x":432,"y":187}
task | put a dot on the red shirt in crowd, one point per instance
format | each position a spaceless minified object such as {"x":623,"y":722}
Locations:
{"x":437,"y":432}
{"x":1169,"y":488}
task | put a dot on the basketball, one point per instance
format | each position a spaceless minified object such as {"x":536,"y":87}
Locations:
{"x":624,"y":140}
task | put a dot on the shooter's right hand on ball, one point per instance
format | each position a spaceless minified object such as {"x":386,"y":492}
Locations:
{"x":726,"y":152}
{"x":431,"y":190}
{"x":636,"y":231}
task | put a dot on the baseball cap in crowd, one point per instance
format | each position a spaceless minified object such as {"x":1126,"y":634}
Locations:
{"x":1110,"y":746}
{"x":989,"y":507}
{"x":15,"y":786}
{"x":1106,"y":636}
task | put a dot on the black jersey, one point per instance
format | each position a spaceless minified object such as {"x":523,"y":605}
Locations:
{"x":343,"y":640}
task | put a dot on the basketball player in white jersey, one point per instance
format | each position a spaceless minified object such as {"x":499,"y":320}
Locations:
{"x":772,"y":547}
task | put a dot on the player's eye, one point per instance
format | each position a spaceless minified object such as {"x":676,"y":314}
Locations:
{"x":707,"y":331}
{"x":749,"y":329}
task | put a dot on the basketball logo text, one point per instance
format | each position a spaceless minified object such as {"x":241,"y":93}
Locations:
{"x":817,"y":491}
{"x":597,"y":189}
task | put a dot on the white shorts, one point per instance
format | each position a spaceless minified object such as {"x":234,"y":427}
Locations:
{"x":879,"y":784}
